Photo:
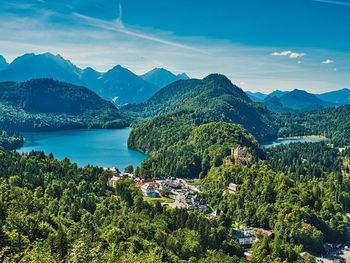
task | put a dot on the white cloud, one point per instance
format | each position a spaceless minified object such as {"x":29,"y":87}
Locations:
{"x":282,"y":53}
{"x":327,"y":61}
{"x":288,"y":53}
{"x":297,"y":55}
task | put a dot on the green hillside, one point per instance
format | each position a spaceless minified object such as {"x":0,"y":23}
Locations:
{"x":334,"y":123}
{"x":10,"y":141}
{"x":212,"y":99}
{"x":181,"y":150}
{"x":45,"y":104}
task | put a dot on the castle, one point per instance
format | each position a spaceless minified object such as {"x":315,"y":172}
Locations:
{"x":239,"y":155}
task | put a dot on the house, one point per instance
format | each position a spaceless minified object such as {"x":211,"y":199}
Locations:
{"x":113,"y":170}
{"x":148,"y":190}
{"x":127,"y":175}
{"x":215,"y":214}
{"x":141,"y":182}
{"x":228,"y":161}
{"x":248,"y":255}
{"x":264,"y":232}
{"x":304,"y":255}
{"x":232,"y":188}
{"x":241,"y":156}
{"x":246,"y":236}
{"x":193,"y":201}
{"x":113,"y":181}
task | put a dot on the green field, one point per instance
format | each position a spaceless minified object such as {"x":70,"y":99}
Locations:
{"x":194,"y":181}
{"x":152,"y":200}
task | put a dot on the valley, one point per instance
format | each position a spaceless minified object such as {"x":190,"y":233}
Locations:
{"x":174,"y":131}
{"x":72,"y":147}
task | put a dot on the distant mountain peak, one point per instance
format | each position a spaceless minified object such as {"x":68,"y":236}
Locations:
{"x":219,"y":80}
{"x":299,"y":91}
{"x":3,"y":63}
{"x":222,"y":80}
{"x":337,"y":97}
{"x":216,"y":77}
{"x":159,"y":69}
{"x":2,"y":59}
{"x":89,"y":69}
{"x":183,"y":76}
{"x":118,"y":69}
{"x":278,"y":93}
{"x":46,"y":65}
{"x":256,"y":96}
{"x":162,"y":77}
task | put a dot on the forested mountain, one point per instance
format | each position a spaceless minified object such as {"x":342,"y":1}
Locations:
{"x":10,"y":140}
{"x":180,"y":150}
{"x":274,"y":104}
{"x":296,"y":100}
{"x":213,"y":98}
{"x":303,"y":161}
{"x":334,"y":123}
{"x":45,"y":104}
{"x":278,"y":93}
{"x":301,"y":100}
{"x":338,"y":97}
{"x":304,"y":214}
{"x":256,"y":96}
{"x":161,"y":77}
{"x":52,"y":211}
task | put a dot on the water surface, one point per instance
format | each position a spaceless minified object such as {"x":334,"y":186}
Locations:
{"x":105,"y":148}
{"x":282,"y":141}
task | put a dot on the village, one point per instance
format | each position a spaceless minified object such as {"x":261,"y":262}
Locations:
{"x":179,"y":192}
{"x":187,"y":194}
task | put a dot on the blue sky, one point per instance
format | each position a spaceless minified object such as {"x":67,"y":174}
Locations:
{"x":260,"y":45}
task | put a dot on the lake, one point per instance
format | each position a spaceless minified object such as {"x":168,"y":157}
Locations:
{"x":105,"y":148}
{"x":282,"y":141}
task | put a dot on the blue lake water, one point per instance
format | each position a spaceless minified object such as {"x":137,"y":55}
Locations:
{"x":105,"y":148}
{"x":288,"y":141}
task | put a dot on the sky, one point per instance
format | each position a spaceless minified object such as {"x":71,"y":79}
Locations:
{"x":261,"y":45}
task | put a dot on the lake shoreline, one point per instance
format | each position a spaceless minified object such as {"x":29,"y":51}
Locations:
{"x":295,"y":139}
{"x":305,"y":137}
{"x":97,"y":147}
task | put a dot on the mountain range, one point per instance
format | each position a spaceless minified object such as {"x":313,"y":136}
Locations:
{"x":118,"y":84}
{"x":300,"y":100}
{"x":122,"y":86}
